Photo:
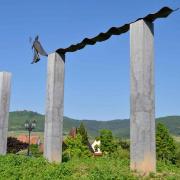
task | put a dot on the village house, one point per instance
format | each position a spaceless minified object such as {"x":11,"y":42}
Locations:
{"x":96,"y":147}
{"x":34,"y":139}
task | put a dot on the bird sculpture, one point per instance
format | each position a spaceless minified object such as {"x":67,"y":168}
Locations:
{"x":38,"y":49}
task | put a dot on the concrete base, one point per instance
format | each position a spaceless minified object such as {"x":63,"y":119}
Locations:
{"x":142,"y":115}
{"x":5,"y":86}
{"x":53,"y":134}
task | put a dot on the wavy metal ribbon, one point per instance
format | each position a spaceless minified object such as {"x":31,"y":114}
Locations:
{"x":162,"y":13}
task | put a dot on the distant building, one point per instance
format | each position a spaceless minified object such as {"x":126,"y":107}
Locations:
{"x":96,"y":148}
{"x":36,"y":140}
{"x":33,"y":140}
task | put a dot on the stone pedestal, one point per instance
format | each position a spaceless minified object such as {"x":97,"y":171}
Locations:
{"x":53,"y":134}
{"x":5,"y":87}
{"x":142,"y":115}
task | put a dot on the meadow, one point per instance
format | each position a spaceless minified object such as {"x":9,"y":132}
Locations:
{"x":78,"y":163}
{"x":21,"y":167}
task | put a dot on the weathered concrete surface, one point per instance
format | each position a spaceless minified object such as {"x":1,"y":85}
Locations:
{"x":5,"y":87}
{"x":142,"y":115}
{"x":53,"y":134}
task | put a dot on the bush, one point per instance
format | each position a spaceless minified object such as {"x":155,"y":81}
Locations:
{"x":23,"y":167}
{"x":121,"y":154}
{"x":124,"y":144}
{"x":108,"y":144}
{"x":178,"y":154}
{"x":34,"y":150}
{"x":102,"y":168}
{"x":14,"y":145}
{"x":165,"y":145}
{"x":75,"y":148}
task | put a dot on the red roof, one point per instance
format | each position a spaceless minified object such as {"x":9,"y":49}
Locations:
{"x":25,"y":138}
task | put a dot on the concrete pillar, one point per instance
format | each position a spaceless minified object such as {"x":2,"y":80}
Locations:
{"x":142,"y":115}
{"x":53,"y":134}
{"x":5,"y":86}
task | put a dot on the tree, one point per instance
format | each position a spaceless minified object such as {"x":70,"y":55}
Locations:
{"x":108,"y":144}
{"x":165,"y":145}
{"x":75,"y":147}
{"x":82,"y":131}
{"x":124,"y":144}
{"x":178,"y":154}
{"x":14,"y":145}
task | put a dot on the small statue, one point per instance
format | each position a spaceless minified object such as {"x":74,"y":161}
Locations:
{"x":38,"y":49}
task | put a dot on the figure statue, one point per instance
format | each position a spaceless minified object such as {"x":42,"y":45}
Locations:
{"x":38,"y":49}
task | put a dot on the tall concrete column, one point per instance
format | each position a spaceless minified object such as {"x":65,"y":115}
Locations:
{"x":5,"y":86}
{"x":142,"y":115}
{"x":53,"y":134}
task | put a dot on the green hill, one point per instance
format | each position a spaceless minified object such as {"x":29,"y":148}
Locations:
{"x":120,"y":128}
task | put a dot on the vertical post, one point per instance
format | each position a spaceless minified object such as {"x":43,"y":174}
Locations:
{"x":142,"y":115}
{"x":5,"y":86}
{"x":29,"y":142}
{"x":53,"y":135}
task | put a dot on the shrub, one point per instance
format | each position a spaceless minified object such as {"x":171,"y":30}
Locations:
{"x":75,"y":148}
{"x":14,"y":145}
{"x":178,"y":154}
{"x":124,"y":144}
{"x":34,"y":150}
{"x":121,"y":154}
{"x":108,"y":145}
{"x":97,"y":138}
{"x":102,"y":168}
{"x":165,"y":145}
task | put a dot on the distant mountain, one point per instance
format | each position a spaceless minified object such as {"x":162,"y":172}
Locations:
{"x":120,"y":128}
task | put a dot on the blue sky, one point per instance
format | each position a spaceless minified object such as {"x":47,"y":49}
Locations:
{"x":97,"y":77}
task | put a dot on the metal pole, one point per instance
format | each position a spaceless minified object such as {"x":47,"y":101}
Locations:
{"x":29,"y":143}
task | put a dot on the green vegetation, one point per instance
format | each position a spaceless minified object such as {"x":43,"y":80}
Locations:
{"x":177,"y":154}
{"x":18,"y":118}
{"x":82,"y":131}
{"x":75,"y":148}
{"x":79,"y":163}
{"x":34,"y":150}
{"x":120,"y":128}
{"x":124,"y":144}
{"x":21,"y":167}
{"x":165,"y":145}
{"x":108,"y":145}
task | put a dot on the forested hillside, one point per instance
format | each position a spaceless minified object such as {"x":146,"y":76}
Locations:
{"x":120,"y":128}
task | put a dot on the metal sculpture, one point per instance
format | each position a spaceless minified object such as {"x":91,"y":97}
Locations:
{"x":38,"y":49}
{"x":143,"y":157}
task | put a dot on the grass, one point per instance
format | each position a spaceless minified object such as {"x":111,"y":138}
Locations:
{"x":177,"y":138}
{"x":21,"y":167}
